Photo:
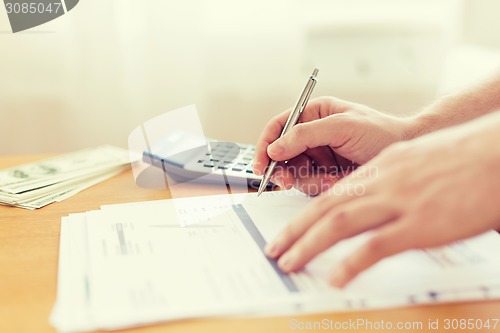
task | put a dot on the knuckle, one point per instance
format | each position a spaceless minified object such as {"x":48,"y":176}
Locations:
{"x":327,"y":101}
{"x":394,"y":152}
{"x":397,"y":148}
{"x":275,"y":120}
{"x":376,"y":245}
{"x":350,"y":267}
{"x":338,"y":221}
{"x":274,"y":125}
{"x":322,"y":202}
{"x":299,"y":131}
{"x":323,"y":99}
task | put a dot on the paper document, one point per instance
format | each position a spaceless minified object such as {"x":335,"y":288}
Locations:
{"x":139,"y":263}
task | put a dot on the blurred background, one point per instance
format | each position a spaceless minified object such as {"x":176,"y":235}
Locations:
{"x":93,"y":75}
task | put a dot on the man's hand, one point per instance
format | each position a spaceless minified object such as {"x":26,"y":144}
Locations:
{"x":421,"y":193}
{"x":332,"y":138}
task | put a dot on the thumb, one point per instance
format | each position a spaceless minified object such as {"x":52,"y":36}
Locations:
{"x":304,"y":136}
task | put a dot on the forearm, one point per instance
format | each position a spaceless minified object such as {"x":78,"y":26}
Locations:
{"x":458,"y":108}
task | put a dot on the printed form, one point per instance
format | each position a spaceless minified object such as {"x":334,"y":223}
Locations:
{"x":139,"y":263}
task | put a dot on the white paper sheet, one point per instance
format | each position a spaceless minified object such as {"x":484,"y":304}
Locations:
{"x":139,"y":263}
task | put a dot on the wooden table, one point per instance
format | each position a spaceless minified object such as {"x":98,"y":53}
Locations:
{"x":29,"y":242}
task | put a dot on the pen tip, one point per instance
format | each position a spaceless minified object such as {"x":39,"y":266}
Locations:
{"x":261,"y":188}
{"x":315,"y":72}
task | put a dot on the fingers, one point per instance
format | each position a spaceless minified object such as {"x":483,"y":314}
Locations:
{"x":305,"y":136}
{"x":324,"y":159}
{"x":300,"y":138}
{"x":316,"y":109}
{"x":388,"y":240}
{"x":348,"y":220}
{"x":304,"y":173}
{"x":271,"y":132}
{"x":351,"y":188}
{"x":299,"y":226}
{"x":312,"y":184}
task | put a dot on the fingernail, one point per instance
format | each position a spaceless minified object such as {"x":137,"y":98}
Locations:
{"x":285,"y":263}
{"x":271,"y":250}
{"x":276,"y":148}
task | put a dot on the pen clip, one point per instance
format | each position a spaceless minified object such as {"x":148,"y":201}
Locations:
{"x":308,"y":94}
{"x":308,"y":89}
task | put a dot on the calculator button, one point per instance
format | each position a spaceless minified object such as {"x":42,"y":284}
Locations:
{"x":208,"y":165}
{"x":237,"y":169}
{"x":223,"y":167}
{"x":249,"y":171}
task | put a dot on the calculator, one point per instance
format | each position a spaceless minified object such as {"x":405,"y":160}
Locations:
{"x":182,"y":158}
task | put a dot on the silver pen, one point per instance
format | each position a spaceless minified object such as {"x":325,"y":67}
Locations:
{"x":292,"y":120}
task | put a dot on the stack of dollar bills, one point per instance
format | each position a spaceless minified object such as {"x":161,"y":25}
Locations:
{"x":38,"y":184}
